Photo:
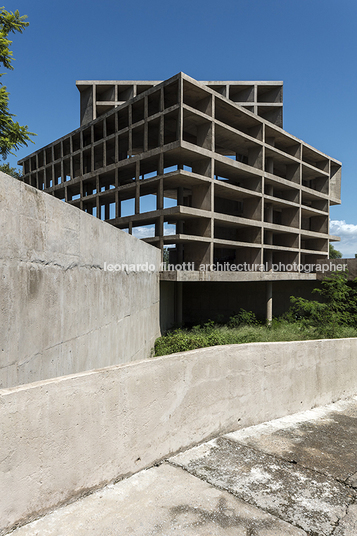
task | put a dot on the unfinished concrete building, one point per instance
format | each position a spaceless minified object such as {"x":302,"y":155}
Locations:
{"x":203,"y":168}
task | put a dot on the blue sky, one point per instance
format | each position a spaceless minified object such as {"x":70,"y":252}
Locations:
{"x":309,"y":44}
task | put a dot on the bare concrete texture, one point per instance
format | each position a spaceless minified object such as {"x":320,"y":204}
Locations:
{"x":348,"y":524}
{"x":291,"y":467}
{"x":304,"y":498}
{"x":349,"y":267}
{"x":222,"y":488}
{"x":161,"y":501}
{"x":66,"y":436}
{"x":60,"y":312}
{"x":322,"y":439}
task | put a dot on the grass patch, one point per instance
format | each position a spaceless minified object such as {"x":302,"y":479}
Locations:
{"x":333,"y":317}
{"x":181,"y":340}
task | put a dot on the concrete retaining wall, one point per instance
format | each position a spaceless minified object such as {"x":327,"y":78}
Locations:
{"x":65,"y":436}
{"x":60,"y":312}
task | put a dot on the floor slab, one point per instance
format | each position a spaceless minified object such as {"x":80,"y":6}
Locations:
{"x":306,"y":499}
{"x":162,"y":501}
{"x":323,"y":439}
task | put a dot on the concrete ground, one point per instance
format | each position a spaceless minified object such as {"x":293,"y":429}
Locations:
{"x":291,"y":476}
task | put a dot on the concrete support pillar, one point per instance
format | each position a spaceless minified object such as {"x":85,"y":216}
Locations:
{"x":117,"y":205}
{"x":269,"y":259}
{"x":160,"y":195}
{"x":137,"y":188}
{"x":269,"y":300}
{"x":97,"y":200}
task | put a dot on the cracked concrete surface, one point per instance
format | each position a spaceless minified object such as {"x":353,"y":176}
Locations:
{"x":293,"y":476}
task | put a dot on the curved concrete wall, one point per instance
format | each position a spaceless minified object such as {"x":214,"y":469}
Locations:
{"x":65,"y":436}
{"x":60,"y":312}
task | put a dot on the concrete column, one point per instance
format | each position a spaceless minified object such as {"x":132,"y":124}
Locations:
{"x":160,"y":195}
{"x":97,"y":200}
{"x":63,"y":177}
{"x":269,"y":300}
{"x":269,"y":259}
{"x":137,"y":188}
{"x":81,"y":194}
{"x":117,"y":205}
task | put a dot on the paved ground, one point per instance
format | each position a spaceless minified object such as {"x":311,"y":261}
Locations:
{"x":294,"y":476}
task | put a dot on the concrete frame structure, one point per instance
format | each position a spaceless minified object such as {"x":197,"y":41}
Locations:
{"x":262,"y":98}
{"x":214,"y":162}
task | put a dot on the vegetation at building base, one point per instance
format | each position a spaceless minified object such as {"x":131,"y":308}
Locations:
{"x":334,"y":315}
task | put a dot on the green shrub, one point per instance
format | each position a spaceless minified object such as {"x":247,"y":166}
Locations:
{"x":243,"y":318}
{"x":334,"y":316}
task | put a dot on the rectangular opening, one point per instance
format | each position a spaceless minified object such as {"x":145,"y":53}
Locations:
{"x":241,"y":93}
{"x":76,"y":142}
{"x":137,"y":111}
{"x":123,"y":146}
{"x":41,"y":159}
{"x":137,"y":140}
{"x":57,"y":151}
{"x":127,"y":207}
{"x":76,"y":163}
{"x":125,"y":92}
{"x":87,"y":136}
{"x":144,"y":231}
{"x":105,"y":92}
{"x":98,"y":156}
{"x":154,"y":103}
{"x":110,"y":124}
{"x":141,"y":88}
{"x":154,"y":133}
{"x":270,"y":93}
{"x":66,"y":169}
{"x":110,"y":151}
{"x":89,"y":187}
{"x":126,"y":175}
{"x":197,"y":98}
{"x":98,"y":131}
{"x":33,"y":163}
{"x":123,"y":118}
{"x":148,"y":203}
{"x":171,"y":94}
{"x":107,"y":181}
{"x":197,"y":130}
{"x":48,"y":152}
{"x":87,"y":161}
{"x":66,"y":144}
{"x":57,"y":176}
{"x":171,"y":127}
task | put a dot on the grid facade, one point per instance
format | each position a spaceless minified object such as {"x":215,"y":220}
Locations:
{"x":262,"y":98}
{"x":185,"y":166}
